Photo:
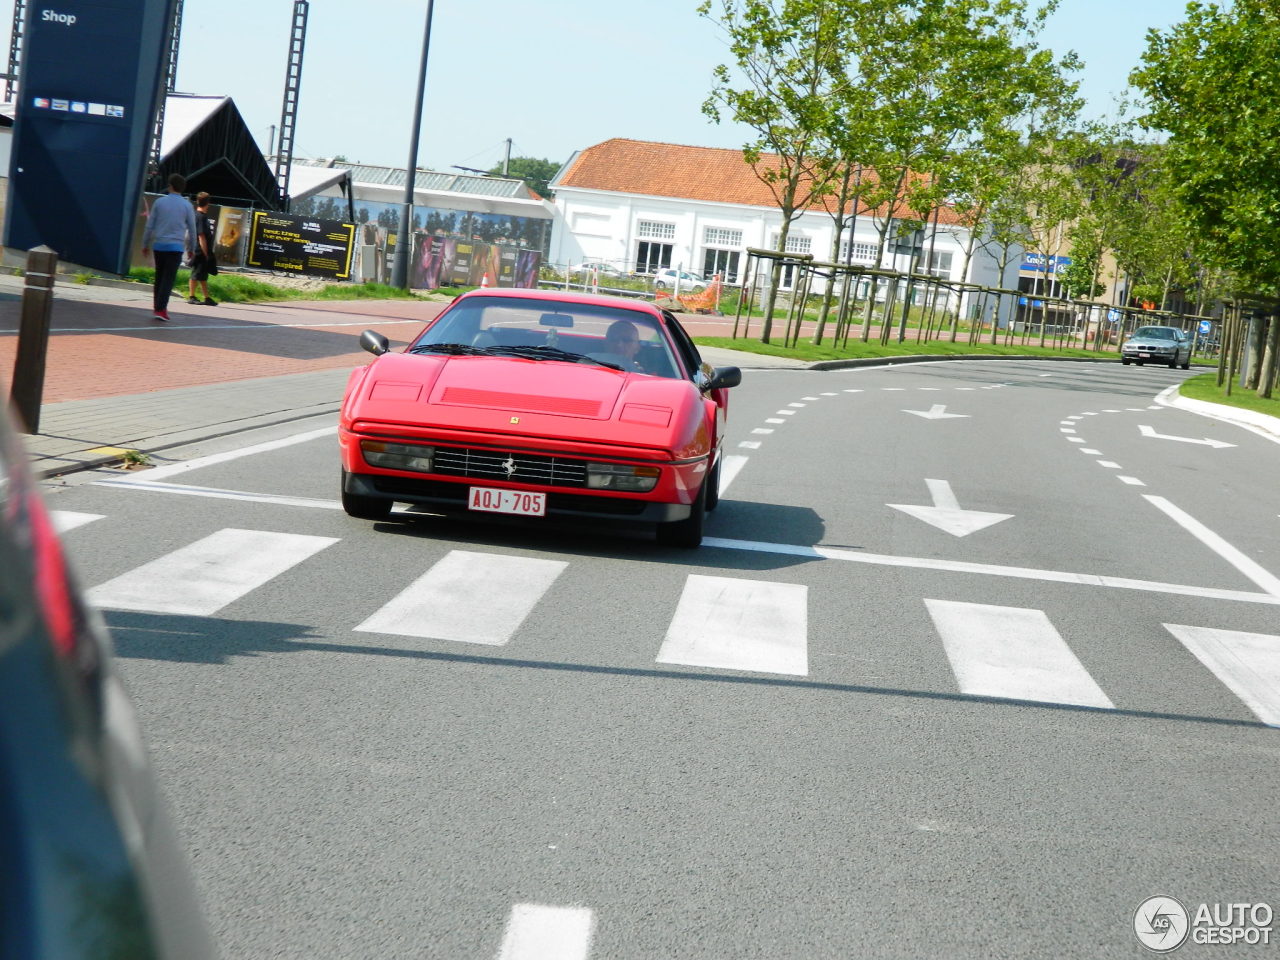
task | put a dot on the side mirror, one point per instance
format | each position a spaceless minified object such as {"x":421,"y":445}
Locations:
{"x":374,"y":342}
{"x":723,"y":377}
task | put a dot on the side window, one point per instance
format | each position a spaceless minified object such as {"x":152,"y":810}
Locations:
{"x":684,"y":346}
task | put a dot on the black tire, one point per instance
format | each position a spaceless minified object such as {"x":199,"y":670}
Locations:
{"x":362,"y":507}
{"x":1187,"y":365}
{"x":713,"y":487}
{"x":686,"y":533}
{"x":1173,"y":364}
{"x":1125,"y":361}
{"x":1138,"y":362}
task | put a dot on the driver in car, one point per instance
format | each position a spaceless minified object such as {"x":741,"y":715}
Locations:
{"x":623,"y":339}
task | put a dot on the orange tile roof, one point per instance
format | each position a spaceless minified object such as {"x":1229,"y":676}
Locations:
{"x":713,"y":174}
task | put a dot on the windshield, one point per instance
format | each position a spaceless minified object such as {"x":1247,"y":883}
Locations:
{"x":551,"y":330}
{"x":1155,"y":333}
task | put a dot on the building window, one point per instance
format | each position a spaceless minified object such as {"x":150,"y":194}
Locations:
{"x":723,"y":262}
{"x":862,"y":252}
{"x":722,"y":237}
{"x":652,"y":257}
{"x":796,"y":243}
{"x":939,"y":264}
{"x":654,"y":230}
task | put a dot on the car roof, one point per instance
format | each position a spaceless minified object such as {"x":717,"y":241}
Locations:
{"x":565,"y":296}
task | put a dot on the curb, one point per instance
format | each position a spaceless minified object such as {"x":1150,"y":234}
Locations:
{"x":934,"y":358}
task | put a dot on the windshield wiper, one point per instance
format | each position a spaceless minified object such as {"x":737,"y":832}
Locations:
{"x":551,"y":353}
{"x":457,"y":349}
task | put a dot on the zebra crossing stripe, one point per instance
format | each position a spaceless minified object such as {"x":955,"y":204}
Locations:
{"x":1247,"y":663}
{"x":64,"y":520}
{"x":203,"y":577}
{"x":1012,"y":652}
{"x":735,"y":624}
{"x":468,"y":597}
{"x":537,"y":932}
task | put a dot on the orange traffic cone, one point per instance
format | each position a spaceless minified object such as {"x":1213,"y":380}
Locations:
{"x":484,"y":281}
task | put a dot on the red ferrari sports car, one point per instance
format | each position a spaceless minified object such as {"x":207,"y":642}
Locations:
{"x":539,"y":404}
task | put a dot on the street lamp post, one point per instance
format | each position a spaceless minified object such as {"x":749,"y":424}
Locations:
{"x":400,"y":266}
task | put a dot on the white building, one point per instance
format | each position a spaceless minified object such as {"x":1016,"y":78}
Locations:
{"x":641,"y":205}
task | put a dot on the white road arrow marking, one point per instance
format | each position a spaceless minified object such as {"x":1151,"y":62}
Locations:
{"x":946,"y":514}
{"x":937,"y":412}
{"x":1206,"y":442}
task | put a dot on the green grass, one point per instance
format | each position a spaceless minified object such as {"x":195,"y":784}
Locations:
{"x":237,"y":288}
{"x":1205,"y":387}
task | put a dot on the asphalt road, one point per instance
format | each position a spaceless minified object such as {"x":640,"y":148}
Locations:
{"x":975,"y":660}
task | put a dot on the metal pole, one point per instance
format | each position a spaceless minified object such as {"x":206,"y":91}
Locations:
{"x":27,"y":389}
{"x":400,"y":267}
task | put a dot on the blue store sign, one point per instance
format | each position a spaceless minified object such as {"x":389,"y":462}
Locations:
{"x":87,"y":95}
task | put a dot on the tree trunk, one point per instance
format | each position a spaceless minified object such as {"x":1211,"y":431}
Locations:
{"x":1267,"y":380}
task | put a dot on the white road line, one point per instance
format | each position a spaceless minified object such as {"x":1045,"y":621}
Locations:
{"x":730,"y":465}
{"x":750,"y":444}
{"x":1109,"y":464}
{"x":1090,"y":414}
{"x":797,"y":404}
{"x":774,"y":420}
{"x":1132,"y":481}
{"x":1247,"y":566}
{"x":1076,"y":440}
{"x":468,"y":597}
{"x":1012,"y":652}
{"x":161,"y":473}
{"x":1066,"y":430}
{"x":64,"y":520}
{"x":893,"y":389}
{"x":929,"y":389}
{"x":762,"y":430}
{"x":966,"y":388}
{"x":990,"y":569}
{"x":1091,"y":452}
{"x":1248,"y":663}
{"x":1110,"y":411}
{"x":203,"y":577}
{"x":813,"y":398}
{"x":735,"y":624}
{"x":853,"y":390}
{"x":537,"y":932}
{"x":215,"y":493}
{"x":786,"y":413}
{"x":831,"y":394}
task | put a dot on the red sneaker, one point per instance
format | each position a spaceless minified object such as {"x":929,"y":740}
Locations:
{"x":161,"y":315}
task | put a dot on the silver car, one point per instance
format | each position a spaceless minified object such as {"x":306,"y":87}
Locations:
{"x":1157,"y":345}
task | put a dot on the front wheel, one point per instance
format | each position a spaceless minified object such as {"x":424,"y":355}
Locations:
{"x":1125,"y":361}
{"x":1173,"y":364}
{"x":1187,"y":365}
{"x":686,"y":533}
{"x":713,"y":487}
{"x":362,"y":507}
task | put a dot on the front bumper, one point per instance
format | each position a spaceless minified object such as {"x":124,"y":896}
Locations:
{"x":448,"y":496}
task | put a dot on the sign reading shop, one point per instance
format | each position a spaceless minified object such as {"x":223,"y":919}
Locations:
{"x":87,"y":96}
{"x":319,"y":248}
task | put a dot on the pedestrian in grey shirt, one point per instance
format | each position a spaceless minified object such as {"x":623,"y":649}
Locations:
{"x":171,"y":232}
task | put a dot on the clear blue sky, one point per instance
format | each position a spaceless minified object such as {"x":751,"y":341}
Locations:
{"x":555,"y":76}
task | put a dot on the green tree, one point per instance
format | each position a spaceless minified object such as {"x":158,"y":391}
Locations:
{"x":788,"y":61}
{"x":1211,"y":83}
{"x":536,"y":173}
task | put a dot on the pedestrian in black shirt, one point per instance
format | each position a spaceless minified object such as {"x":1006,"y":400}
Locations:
{"x":203,"y":263}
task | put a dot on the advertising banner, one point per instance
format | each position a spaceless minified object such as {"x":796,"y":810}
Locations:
{"x":87,"y":95}
{"x":448,"y":262}
{"x":319,"y":248}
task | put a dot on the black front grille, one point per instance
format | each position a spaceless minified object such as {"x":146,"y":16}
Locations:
{"x":484,"y":464}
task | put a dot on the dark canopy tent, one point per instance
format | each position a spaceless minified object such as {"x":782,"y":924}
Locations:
{"x":205,"y":139}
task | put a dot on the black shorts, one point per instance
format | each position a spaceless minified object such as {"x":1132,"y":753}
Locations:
{"x":202,"y":267}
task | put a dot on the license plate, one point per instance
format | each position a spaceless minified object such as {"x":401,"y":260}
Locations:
{"x":519,"y":502}
{"x":1144,"y":356}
